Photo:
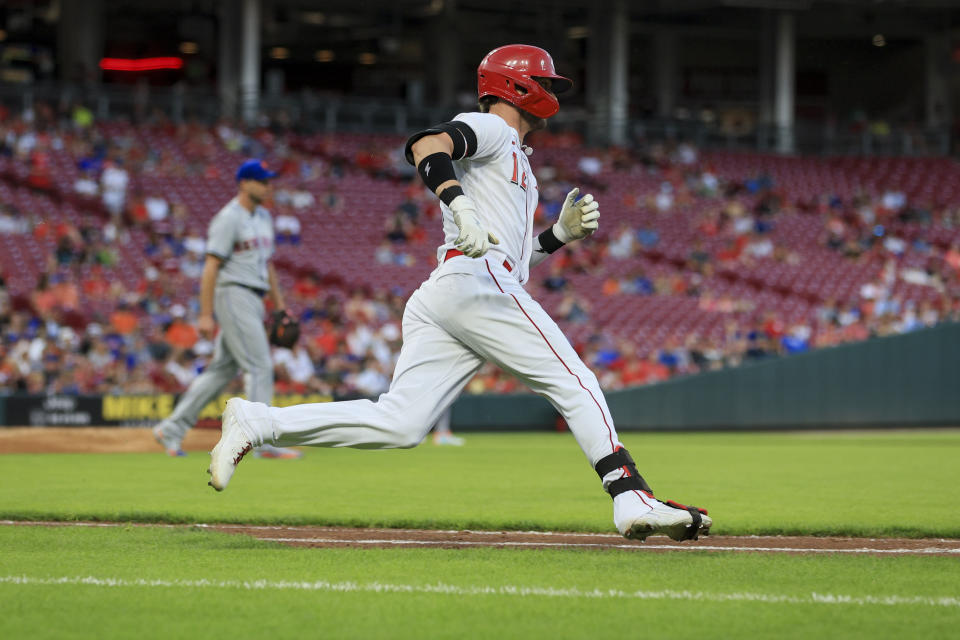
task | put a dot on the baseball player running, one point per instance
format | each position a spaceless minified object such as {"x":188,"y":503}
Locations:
{"x":236,"y":276}
{"x":473,"y":307}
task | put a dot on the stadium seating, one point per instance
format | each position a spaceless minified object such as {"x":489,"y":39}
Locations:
{"x":343,"y":250}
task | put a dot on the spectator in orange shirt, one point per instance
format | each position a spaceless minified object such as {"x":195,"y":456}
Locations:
{"x":123,"y":320}
{"x":611,"y":286}
{"x":180,"y":334}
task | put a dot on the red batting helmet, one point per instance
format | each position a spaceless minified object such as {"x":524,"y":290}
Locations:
{"x":514,"y":66}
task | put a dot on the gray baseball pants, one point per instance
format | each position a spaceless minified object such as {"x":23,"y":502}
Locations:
{"x":241,"y":344}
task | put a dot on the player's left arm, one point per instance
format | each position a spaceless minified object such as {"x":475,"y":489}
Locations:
{"x":276,"y":295}
{"x":578,"y":219}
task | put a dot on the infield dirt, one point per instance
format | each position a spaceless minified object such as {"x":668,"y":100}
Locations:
{"x":327,"y":537}
{"x":95,"y":440}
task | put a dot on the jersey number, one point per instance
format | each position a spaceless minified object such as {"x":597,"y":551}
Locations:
{"x":523,"y":177}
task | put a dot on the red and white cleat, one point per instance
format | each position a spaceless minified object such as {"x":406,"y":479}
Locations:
{"x":637,"y":515}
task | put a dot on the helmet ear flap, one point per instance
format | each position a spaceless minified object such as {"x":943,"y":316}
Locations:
{"x":517,"y":89}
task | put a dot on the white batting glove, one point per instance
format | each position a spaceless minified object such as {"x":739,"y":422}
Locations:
{"x":578,"y":218}
{"x":474,"y":239}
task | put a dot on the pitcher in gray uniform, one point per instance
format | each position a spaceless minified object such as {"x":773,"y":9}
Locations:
{"x":237,"y":275}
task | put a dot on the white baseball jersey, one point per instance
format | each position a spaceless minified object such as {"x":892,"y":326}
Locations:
{"x":498,"y":178}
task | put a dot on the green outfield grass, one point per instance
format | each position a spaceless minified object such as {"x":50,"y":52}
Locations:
{"x":191,"y":582}
{"x":866,"y":484}
{"x":169,"y":583}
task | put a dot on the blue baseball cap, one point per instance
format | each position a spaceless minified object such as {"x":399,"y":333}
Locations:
{"x":254,"y":170}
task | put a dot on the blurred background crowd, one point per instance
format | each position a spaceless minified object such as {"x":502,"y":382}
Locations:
{"x":703,"y":261}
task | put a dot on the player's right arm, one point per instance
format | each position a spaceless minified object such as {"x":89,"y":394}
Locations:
{"x":432,"y":153}
{"x":208,"y":282}
{"x":221,"y":236}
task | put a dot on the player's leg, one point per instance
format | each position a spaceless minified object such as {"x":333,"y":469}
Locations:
{"x":442,"y":434}
{"x":204,"y":389}
{"x":432,"y":370}
{"x":512,"y":330}
{"x":240,"y":313}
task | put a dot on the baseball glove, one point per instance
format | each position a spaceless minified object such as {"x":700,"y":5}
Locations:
{"x":284,"y":329}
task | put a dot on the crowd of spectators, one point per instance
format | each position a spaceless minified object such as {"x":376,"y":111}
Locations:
{"x":141,"y":339}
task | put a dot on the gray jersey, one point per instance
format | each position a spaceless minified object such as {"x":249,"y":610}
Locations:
{"x":244,"y":241}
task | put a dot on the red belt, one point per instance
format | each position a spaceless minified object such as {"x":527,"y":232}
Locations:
{"x":453,"y":253}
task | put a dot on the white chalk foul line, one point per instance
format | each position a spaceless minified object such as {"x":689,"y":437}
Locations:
{"x":565,"y":534}
{"x":503,"y":590}
{"x":631,"y":547}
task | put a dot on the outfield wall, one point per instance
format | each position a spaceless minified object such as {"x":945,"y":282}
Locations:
{"x":908,"y":380}
{"x":115,"y":411}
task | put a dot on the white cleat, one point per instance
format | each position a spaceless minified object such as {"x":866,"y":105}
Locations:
{"x":233,"y":445}
{"x":638,"y":515}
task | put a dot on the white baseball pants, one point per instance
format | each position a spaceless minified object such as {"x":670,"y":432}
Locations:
{"x":468,"y":311}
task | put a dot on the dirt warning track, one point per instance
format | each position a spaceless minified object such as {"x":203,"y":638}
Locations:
{"x":329,"y":537}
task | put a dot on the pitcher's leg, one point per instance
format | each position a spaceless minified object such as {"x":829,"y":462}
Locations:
{"x":203,"y":390}
{"x":240,"y":314}
{"x":432,"y":370}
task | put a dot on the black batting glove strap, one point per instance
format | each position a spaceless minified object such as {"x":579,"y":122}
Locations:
{"x":632,"y":481}
{"x":548,"y":241}
{"x":436,"y":169}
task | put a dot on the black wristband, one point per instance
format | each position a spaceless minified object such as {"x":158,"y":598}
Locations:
{"x":549,"y":241}
{"x":436,"y":169}
{"x":448,"y":194}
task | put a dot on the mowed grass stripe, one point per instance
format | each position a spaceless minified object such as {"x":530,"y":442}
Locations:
{"x":790,"y":596}
{"x":876,"y":484}
{"x":485,"y":590}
